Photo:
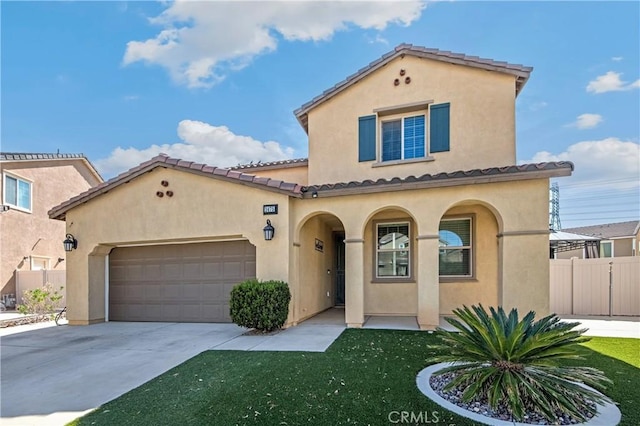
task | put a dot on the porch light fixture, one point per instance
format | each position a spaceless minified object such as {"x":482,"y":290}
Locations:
{"x":314,"y":194}
{"x":70,"y":243}
{"x":269,"y":231}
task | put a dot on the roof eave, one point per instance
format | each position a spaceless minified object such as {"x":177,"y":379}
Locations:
{"x":353,"y":188}
{"x":520,"y":72}
{"x":59,"y":212}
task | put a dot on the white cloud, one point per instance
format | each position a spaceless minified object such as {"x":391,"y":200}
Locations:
{"x":201,"y":142}
{"x":537,"y":106}
{"x":607,"y":160}
{"x":611,"y":82}
{"x":129,"y":98}
{"x":200,"y":42}
{"x":586,"y":121}
{"x":617,"y":58}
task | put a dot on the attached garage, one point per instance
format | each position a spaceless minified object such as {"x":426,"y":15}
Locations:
{"x":177,"y":282}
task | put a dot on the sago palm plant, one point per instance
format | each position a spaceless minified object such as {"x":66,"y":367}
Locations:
{"x":502,"y":360}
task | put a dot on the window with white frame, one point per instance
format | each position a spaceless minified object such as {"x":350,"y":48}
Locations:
{"x":606,"y":249}
{"x":39,"y":263}
{"x":17,"y":192}
{"x":456,"y":247}
{"x":393,"y":251}
{"x":404,"y":138}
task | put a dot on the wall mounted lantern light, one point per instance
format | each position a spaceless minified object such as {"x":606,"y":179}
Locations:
{"x":269,"y":231}
{"x":70,"y":243}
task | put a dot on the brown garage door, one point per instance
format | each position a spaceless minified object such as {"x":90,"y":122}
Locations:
{"x":178,"y":282}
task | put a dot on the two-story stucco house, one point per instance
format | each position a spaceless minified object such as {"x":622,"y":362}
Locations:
{"x":409,"y":204}
{"x":31,"y":185}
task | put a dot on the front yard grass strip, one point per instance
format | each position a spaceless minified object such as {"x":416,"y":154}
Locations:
{"x":365,"y":377}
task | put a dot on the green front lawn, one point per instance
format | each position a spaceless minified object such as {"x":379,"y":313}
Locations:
{"x":365,"y":377}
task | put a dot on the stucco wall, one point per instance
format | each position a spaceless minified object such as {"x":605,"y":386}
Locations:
{"x":34,"y":234}
{"x":623,"y":247}
{"x":482,"y":120}
{"x":201,"y":209}
{"x":511,"y":250}
{"x":315,"y":285}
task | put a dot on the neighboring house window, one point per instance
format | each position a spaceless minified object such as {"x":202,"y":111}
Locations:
{"x":606,"y":249}
{"x":404,"y":138}
{"x":393,"y":252}
{"x":39,"y":263}
{"x":17,"y":192}
{"x":456,"y":247}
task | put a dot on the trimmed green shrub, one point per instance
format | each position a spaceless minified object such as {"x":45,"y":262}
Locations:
{"x":263,"y":305}
{"x":502,"y":360}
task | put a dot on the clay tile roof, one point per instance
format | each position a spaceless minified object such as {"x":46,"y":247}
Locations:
{"x":521,"y":72}
{"x":35,"y":156}
{"x":608,"y":230}
{"x":162,"y":160}
{"x":281,"y":164}
{"x":460,"y":177}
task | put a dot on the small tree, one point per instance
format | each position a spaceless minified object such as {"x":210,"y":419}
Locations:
{"x":41,"y":301}
{"x":260,"y":305}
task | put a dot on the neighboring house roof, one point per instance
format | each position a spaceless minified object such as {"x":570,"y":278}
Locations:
{"x":609,"y":230}
{"x":30,"y":156}
{"x":494,"y":174}
{"x":163,"y":160}
{"x":282,"y":164}
{"x":556,"y":236}
{"x":521,"y":72}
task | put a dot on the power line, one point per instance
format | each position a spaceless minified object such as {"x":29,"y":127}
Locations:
{"x":602,"y":182}
{"x":602,"y":212}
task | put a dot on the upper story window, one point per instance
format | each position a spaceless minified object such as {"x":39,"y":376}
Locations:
{"x":393,"y":251}
{"x":17,"y":193}
{"x":456,"y":247}
{"x":404,"y":138}
{"x":404,"y":132}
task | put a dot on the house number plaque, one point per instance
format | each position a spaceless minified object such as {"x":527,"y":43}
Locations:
{"x":270,"y":209}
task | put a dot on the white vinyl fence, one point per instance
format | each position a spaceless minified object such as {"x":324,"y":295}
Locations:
{"x":29,"y":280}
{"x":605,"y":286}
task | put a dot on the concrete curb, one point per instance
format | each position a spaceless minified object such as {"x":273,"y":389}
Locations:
{"x":608,"y":414}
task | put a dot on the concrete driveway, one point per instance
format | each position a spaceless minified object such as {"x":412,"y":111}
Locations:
{"x":51,"y":375}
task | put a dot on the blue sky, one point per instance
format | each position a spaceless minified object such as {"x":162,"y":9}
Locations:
{"x":218,"y":81}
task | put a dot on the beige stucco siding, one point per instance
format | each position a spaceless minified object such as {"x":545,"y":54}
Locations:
{"x":33,"y":234}
{"x":511,"y":249}
{"x":201,"y":209}
{"x":315,"y":285}
{"x":482,"y":120}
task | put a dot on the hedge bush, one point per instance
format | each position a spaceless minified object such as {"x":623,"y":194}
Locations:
{"x":263,"y":305}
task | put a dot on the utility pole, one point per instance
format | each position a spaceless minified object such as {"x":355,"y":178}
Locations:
{"x":554,"y":207}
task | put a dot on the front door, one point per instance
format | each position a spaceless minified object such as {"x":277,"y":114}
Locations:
{"x":339,"y":261}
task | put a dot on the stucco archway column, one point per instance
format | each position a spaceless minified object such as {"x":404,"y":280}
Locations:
{"x":354,"y":282}
{"x":524,"y":271}
{"x":428,"y":282}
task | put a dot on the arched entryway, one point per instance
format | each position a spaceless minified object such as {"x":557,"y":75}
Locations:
{"x":321,"y":267}
{"x":468,"y":258}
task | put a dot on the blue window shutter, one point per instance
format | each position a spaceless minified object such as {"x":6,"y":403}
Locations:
{"x":439,"y":128}
{"x":367,"y":138}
